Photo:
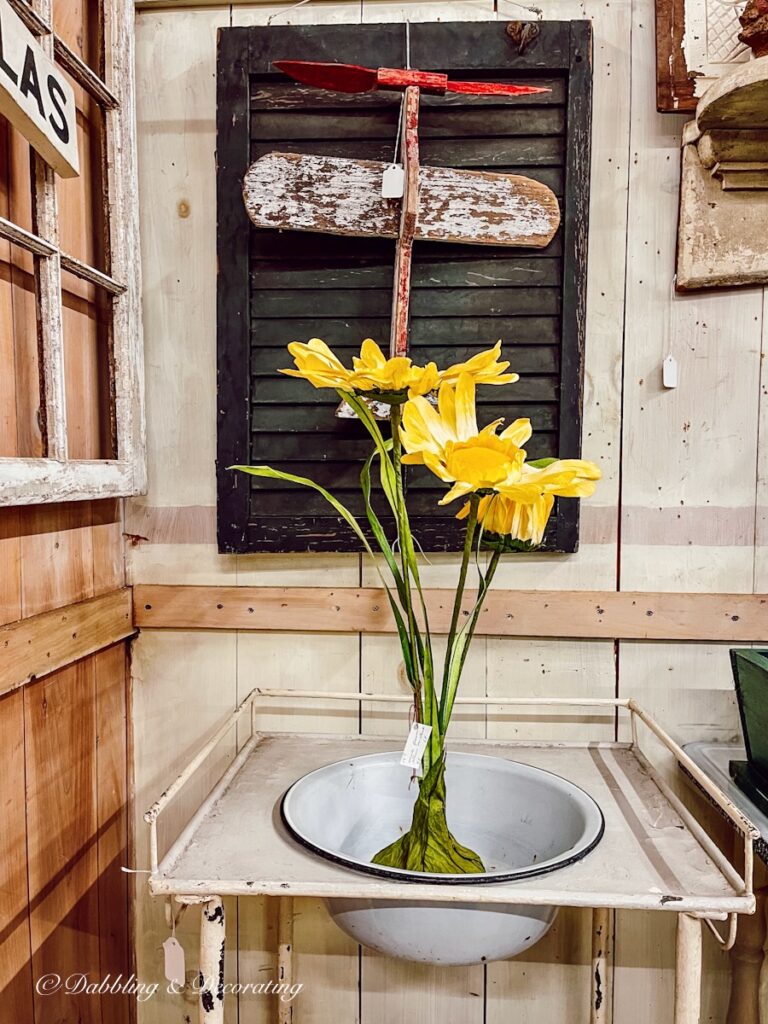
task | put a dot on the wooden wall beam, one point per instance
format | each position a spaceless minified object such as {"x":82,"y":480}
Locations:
{"x":33,"y":647}
{"x":734,"y":618}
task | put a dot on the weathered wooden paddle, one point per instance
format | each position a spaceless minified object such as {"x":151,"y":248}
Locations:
{"x":441,"y":204}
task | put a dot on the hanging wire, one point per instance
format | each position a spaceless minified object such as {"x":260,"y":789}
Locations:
{"x":531,"y":8}
{"x":395,"y":158}
{"x":286,"y":10}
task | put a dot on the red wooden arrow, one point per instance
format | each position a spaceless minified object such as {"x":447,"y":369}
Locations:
{"x":354,"y":78}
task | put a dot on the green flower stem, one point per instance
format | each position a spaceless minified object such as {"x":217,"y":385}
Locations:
{"x":465,"y":638}
{"x":430,"y":709}
{"x":474,"y":502}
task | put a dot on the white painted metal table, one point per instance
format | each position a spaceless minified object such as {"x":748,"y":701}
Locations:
{"x":749,"y":956}
{"x":654,"y":854}
{"x":713,"y":759}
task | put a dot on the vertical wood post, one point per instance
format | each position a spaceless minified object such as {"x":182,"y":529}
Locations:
{"x":48,"y":289}
{"x":211,"y":994}
{"x":285,"y":957}
{"x":401,"y":295}
{"x":688,"y":970}
{"x":602,"y":966}
{"x":747,"y":958}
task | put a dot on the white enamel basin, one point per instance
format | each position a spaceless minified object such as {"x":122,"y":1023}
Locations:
{"x":522,"y":821}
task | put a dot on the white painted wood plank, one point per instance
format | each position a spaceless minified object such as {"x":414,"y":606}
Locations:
{"x":761,"y":494}
{"x":551,"y":981}
{"x":689,"y":452}
{"x":194,"y":564}
{"x":596,"y":559}
{"x":554,"y":668}
{"x":326,"y":661}
{"x":394,"y":990}
{"x":177,"y":142}
{"x":339,"y":196}
{"x":184,"y":686}
{"x":382,"y":671}
{"x":176,"y":119}
{"x":273,"y":570}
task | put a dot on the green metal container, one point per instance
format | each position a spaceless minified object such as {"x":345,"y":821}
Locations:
{"x":750,"y":674}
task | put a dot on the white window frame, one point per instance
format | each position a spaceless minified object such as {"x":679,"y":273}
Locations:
{"x":56,"y":477}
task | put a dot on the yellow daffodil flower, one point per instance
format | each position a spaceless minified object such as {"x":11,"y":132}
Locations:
{"x":514,"y":519}
{"x":521,"y":510}
{"x":484,"y":368}
{"x":399,"y":376}
{"x":374,"y":372}
{"x":448,"y":442}
{"x":316,"y":363}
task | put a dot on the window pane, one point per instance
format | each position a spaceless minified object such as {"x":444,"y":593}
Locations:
{"x":78,"y":23}
{"x":87,"y":318}
{"x":20,"y":396}
{"x":82,"y":220}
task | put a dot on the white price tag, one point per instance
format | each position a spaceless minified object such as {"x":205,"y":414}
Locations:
{"x":393,"y":182}
{"x":415,"y":745}
{"x":174,"y":960}
{"x":669,"y":372}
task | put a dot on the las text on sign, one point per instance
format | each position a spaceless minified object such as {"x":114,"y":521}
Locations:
{"x":35,"y":96}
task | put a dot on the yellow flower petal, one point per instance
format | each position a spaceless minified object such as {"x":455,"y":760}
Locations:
{"x":371,"y":354}
{"x":466,"y":419}
{"x":484,"y":368}
{"x":457,"y":491}
{"x":518,"y":432}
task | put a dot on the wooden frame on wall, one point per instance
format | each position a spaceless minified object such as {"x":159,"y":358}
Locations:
{"x":562,"y":49}
{"x":56,"y":476}
{"x":696,"y":43}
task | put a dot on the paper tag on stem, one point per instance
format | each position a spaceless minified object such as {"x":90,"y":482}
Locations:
{"x":174,"y":960}
{"x":415,"y":745}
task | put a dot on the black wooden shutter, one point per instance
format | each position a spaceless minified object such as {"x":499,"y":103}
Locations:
{"x":277,"y":287}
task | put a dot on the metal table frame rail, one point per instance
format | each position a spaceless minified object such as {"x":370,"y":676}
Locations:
{"x":209,"y":892}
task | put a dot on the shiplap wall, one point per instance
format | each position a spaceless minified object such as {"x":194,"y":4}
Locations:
{"x":684,"y":489}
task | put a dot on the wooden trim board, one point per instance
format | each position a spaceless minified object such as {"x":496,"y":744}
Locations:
{"x":733,"y":618}
{"x":33,"y":647}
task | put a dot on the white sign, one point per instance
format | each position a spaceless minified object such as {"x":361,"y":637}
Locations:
{"x":35,"y":96}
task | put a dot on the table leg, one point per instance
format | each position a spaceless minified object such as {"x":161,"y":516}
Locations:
{"x":211,"y":996}
{"x":285,"y":957}
{"x":602,"y":955}
{"x":746,"y":965}
{"x":688,"y":970}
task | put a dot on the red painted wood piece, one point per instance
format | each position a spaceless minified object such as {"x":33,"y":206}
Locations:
{"x":397,"y":78}
{"x":354,"y":78}
{"x":401,"y":295}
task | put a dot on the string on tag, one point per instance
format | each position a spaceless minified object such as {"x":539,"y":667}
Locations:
{"x":398,"y":133}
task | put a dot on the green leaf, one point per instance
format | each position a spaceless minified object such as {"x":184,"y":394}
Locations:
{"x":541,"y":463}
{"x":429,"y":845}
{"x":386,"y":550}
{"x":277,"y":474}
{"x":366,"y":417}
